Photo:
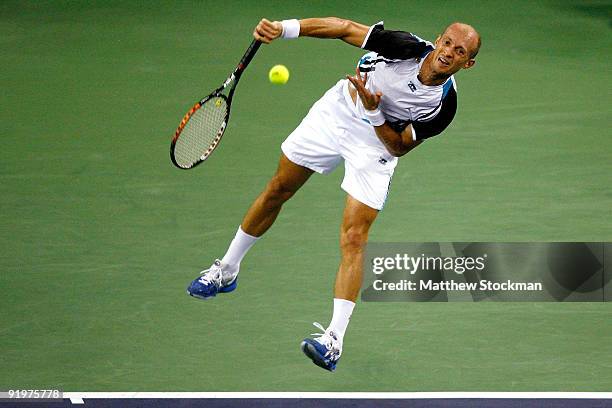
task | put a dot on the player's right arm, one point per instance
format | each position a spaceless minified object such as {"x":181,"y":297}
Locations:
{"x":327,"y":27}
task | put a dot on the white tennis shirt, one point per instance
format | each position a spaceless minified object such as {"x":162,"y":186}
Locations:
{"x":392,"y":68}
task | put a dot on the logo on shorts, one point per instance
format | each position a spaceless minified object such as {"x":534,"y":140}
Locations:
{"x":382,"y":161}
{"x":412,"y":86}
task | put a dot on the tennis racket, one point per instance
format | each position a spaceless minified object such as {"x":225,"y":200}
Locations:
{"x":201,"y":129}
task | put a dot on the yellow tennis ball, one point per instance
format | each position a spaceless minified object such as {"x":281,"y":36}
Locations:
{"x":279,"y":74}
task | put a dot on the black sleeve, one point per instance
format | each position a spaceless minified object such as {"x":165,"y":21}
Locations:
{"x":441,"y":121}
{"x":394,"y":44}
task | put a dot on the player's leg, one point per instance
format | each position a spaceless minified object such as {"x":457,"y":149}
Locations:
{"x":357,"y":220}
{"x":222,"y":276}
{"x":356,"y":223}
{"x":287,"y":180}
{"x":367,"y":177}
{"x":289,"y":177}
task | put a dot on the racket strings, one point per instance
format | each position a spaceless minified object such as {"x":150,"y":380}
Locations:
{"x":202,"y":132}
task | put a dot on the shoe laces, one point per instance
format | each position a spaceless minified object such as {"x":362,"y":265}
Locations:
{"x":213,"y":275}
{"x":328,"y":339}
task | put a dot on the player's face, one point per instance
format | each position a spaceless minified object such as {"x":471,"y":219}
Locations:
{"x":452,"y":53}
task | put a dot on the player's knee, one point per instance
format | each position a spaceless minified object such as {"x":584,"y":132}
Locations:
{"x":353,"y":238}
{"x":278,"y":191}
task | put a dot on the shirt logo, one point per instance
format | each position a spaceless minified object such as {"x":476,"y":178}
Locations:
{"x":382,"y":161}
{"x":412,"y":86}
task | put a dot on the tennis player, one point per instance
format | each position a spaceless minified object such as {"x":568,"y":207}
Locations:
{"x":403,"y":93}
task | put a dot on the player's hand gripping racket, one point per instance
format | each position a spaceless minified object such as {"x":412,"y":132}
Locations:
{"x":203,"y":126}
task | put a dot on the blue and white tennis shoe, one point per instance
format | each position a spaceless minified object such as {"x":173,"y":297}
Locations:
{"x":324,"y":350}
{"x":212,"y":281}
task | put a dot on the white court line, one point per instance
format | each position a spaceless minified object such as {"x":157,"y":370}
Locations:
{"x":79,"y":396}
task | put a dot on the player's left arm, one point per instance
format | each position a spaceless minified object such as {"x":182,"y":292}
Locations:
{"x":397,"y":142}
{"x":400,"y":138}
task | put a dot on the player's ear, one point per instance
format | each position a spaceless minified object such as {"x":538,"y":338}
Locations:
{"x":469,"y":64}
{"x":437,"y":39}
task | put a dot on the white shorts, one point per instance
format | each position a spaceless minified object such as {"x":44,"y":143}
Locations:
{"x":331,"y":132}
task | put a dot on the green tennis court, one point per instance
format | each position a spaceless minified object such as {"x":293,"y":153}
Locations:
{"x":101,"y":234}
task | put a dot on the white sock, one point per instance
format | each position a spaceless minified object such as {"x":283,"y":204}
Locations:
{"x":342,"y":313}
{"x":238,"y":248}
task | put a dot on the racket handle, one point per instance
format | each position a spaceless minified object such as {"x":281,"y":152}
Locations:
{"x":248,"y":55}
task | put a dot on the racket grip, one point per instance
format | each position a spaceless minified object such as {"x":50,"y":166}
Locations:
{"x":249,"y":54}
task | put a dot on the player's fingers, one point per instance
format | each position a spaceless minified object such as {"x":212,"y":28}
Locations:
{"x":264,"y":33}
{"x":267,"y":31}
{"x":351,"y":80}
{"x":358,"y":74}
{"x":363,"y":78}
{"x":358,"y":80}
{"x":356,"y":83}
{"x":261,"y":38}
{"x":272,"y":28}
{"x":362,"y":89}
{"x":260,"y":30}
{"x":264,"y":24}
{"x":278,"y":27}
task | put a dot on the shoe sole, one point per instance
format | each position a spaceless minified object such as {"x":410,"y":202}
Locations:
{"x":311,"y":353}
{"x":199,"y":297}
{"x":225,"y":289}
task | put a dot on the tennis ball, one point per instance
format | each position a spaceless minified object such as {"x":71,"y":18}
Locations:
{"x":279,"y":74}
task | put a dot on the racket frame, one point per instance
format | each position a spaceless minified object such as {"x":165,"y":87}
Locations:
{"x":218,"y":93}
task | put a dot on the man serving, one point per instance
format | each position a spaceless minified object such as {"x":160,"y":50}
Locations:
{"x":403,"y":93}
